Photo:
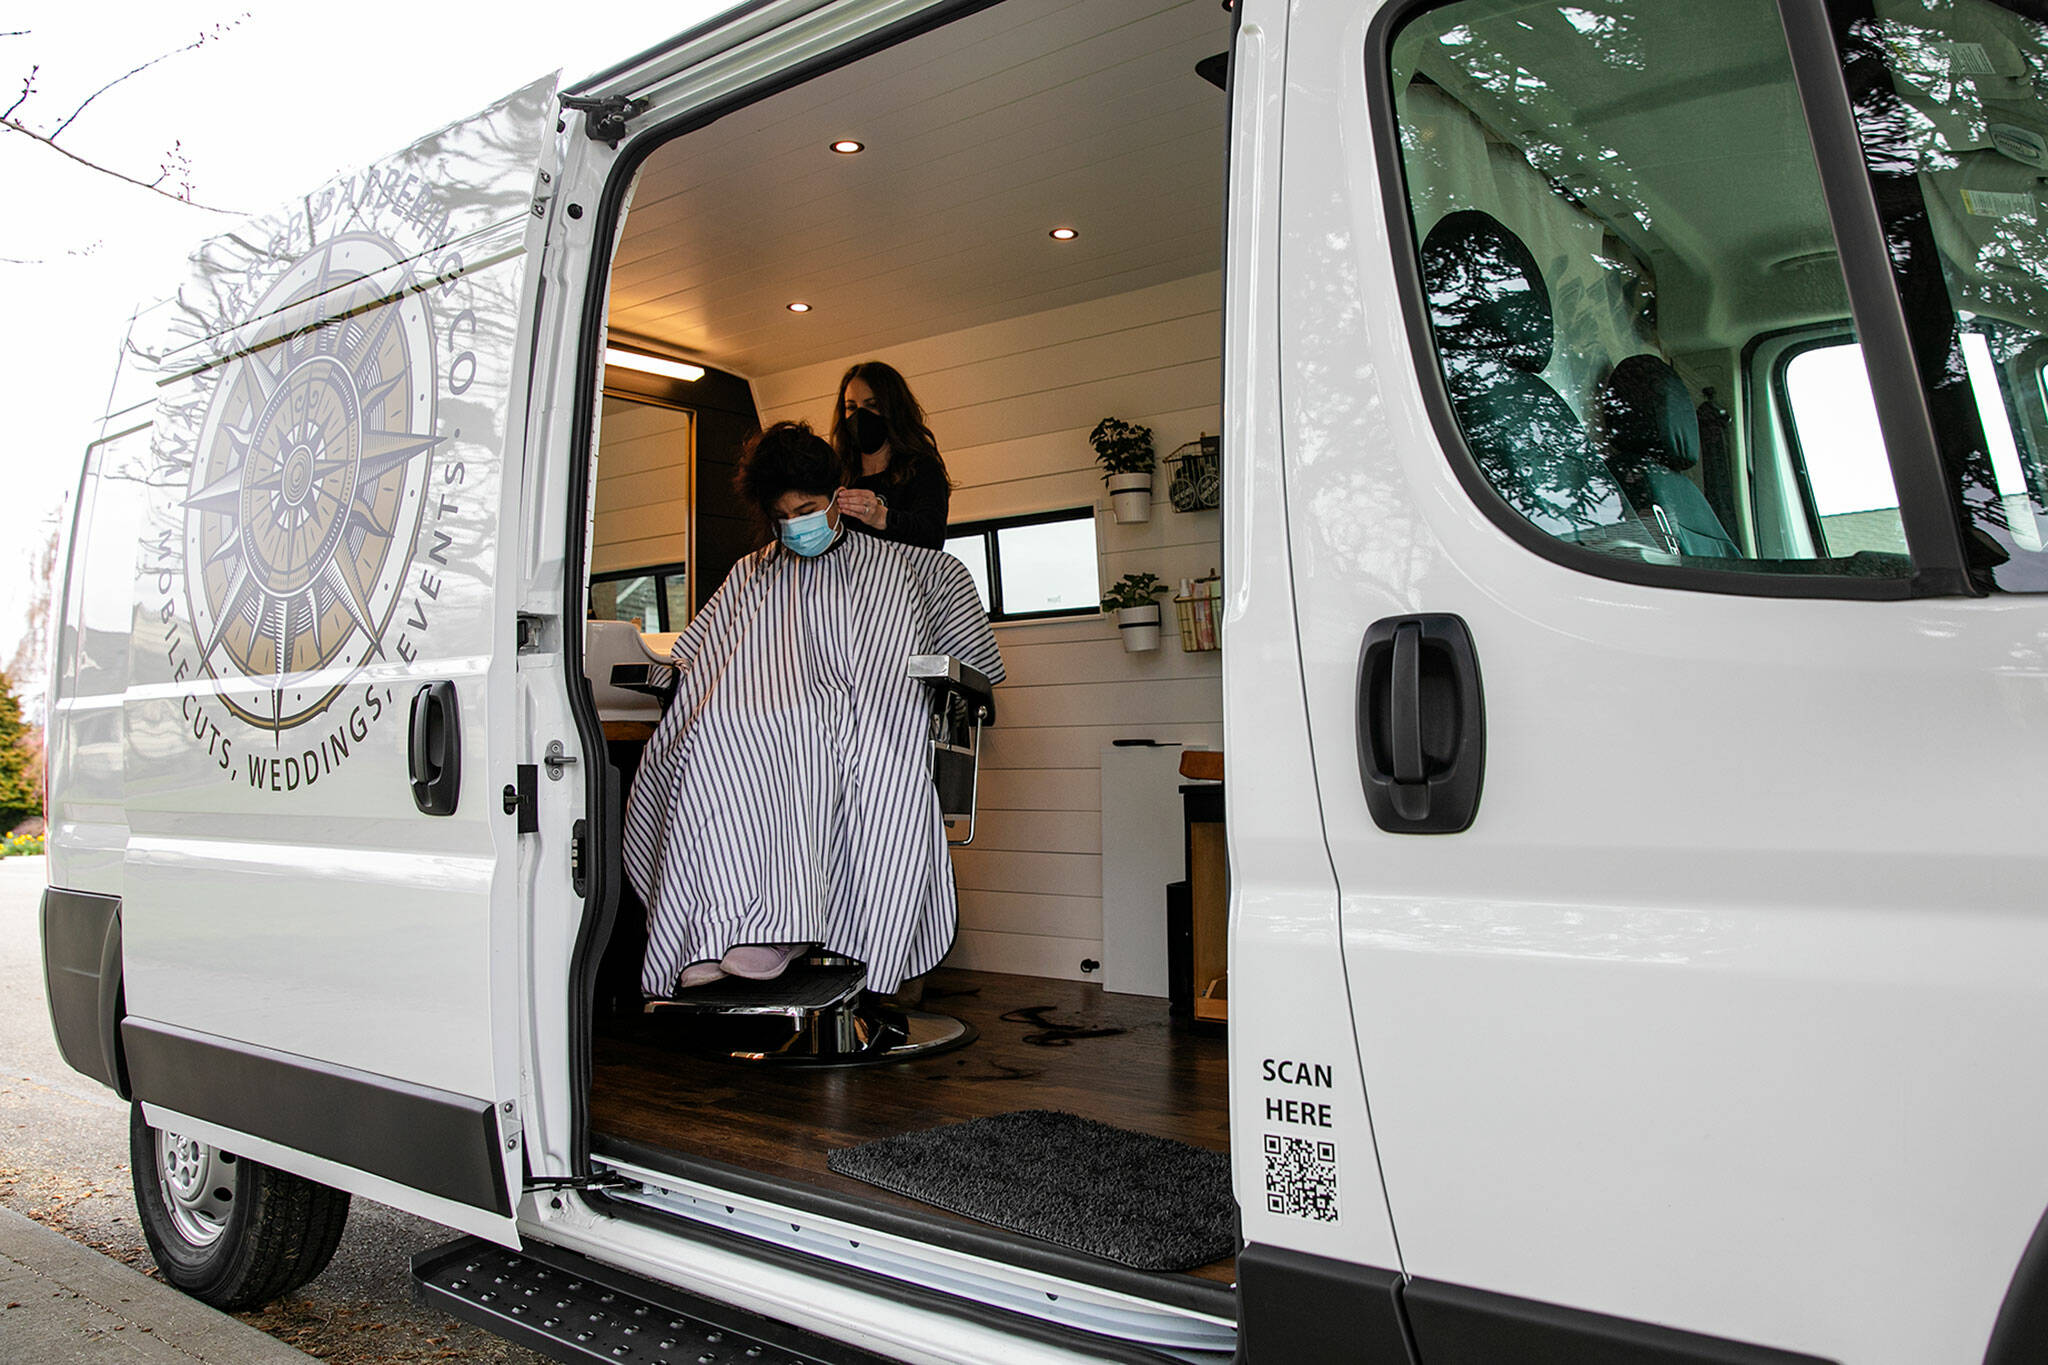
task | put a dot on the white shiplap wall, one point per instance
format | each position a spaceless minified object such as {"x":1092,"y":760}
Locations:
{"x":1011,"y":404}
{"x":643,"y":487}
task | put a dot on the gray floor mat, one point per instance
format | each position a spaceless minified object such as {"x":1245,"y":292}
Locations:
{"x":1146,"y":1202}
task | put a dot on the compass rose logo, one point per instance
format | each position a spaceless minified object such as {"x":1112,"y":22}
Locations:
{"x":307,"y":488}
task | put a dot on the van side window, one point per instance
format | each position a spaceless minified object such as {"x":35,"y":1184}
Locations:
{"x":1954,"y":119}
{"x":1611,"y":203}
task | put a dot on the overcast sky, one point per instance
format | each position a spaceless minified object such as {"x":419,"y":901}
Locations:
{"x":287,"y":97}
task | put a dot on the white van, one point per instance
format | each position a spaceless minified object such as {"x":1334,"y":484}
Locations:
{"x":1633,"y":484}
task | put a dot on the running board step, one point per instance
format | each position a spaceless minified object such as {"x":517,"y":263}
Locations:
{"x":570,"y":1308}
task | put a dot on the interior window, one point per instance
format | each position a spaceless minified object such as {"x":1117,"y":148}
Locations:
{"x":1958,"y":114}
{"x":1028,"y":567}
{"x":1611,"y":201}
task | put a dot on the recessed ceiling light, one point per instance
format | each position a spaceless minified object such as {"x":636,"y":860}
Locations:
{"x":652,"y":364}
{"x":1064,"y":234}
{"x":846,"y":146}
{"x":799,"y":307}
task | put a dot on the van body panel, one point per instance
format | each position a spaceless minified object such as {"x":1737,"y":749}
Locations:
{"x":1711,"y":1018}
{"x":1287,"y":987}
{"x":337,"y":437}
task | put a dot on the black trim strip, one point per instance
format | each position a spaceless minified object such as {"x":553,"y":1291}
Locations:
{"x":1386,"y":139}
{"x":1298,"y":1309}
{"x":1171,"y":1290}
{"x":82,"y":982}
{"x":1926,"y":506}
{"x":1453,"y":1325}
{"x":884,"y":1287}
{"x":426,"y":1139}
{"x":601,"y":779}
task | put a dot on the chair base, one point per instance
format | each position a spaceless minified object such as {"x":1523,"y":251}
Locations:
{"x":816,"y":1014}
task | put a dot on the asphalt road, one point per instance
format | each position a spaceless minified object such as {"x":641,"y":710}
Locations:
{"x":64,"y":1163}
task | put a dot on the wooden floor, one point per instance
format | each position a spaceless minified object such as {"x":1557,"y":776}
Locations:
{"x":1156,"y":1077}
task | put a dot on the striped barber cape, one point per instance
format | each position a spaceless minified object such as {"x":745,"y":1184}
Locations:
{"x":787,"y":795}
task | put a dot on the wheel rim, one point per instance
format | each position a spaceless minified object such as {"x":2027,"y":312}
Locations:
{"x":197,"y":1182}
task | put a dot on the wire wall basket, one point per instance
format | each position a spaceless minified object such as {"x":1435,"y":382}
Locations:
{"x":1199,"y":607}
{"x":1197,"y":475}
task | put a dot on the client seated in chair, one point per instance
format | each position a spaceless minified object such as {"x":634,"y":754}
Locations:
{"x":786,"y":798}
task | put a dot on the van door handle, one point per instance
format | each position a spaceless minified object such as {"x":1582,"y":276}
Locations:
{"x":1421,"y":724}
{"x":435,"y":758}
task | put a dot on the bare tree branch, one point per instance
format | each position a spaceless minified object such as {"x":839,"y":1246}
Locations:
{"x":28,"y":87}
{"x":201,"y":41}
{"x":157,"y":188}
{"x":176,"y":167}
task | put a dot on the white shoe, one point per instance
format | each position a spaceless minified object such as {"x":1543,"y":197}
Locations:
{"x":700,"y":974}
{"x":762,"y":961}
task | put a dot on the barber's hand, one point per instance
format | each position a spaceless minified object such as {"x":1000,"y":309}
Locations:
{"x":863,"y":506}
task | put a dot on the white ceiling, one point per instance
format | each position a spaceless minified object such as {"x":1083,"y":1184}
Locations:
{"x":981,"y":137}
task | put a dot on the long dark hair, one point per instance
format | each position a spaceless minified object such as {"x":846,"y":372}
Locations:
{"x":910,"y":440}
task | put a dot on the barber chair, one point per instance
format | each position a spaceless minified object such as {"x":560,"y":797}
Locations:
{"x":819,"y":1012}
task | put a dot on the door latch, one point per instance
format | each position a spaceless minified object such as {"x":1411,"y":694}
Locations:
{"x":522,"y":798}
{"x":557,"y":760}
{"x":1421,"y":724}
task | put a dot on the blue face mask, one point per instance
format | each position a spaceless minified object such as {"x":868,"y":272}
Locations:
{"x":809,"y":535}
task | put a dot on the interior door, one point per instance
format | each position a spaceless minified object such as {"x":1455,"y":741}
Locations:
{"x":1703,"y":1010}
{"x":320,"y":926}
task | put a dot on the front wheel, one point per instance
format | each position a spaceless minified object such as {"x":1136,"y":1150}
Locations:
{"x":231,"y":1232}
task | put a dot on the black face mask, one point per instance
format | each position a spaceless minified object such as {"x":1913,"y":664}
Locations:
{"x":868,"y":430}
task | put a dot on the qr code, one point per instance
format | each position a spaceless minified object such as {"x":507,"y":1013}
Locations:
{"x":1301,"y":1178}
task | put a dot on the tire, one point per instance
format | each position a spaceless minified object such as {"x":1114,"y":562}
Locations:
{"x":233,"y":1233}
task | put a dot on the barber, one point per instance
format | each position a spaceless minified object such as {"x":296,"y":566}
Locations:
{"x":896,"y":483}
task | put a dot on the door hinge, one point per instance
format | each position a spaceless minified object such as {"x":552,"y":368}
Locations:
{"x":604,"y":120}
{"x":602,"y":1180}
{"x":579,"y":879}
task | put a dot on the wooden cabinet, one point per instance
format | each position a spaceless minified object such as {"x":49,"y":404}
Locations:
{"x":1208,"y":877}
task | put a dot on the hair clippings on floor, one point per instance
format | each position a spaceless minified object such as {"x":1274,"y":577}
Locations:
{"x":1053,"y":1033}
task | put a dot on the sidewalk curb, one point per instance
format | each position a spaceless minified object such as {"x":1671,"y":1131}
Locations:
{"x":62,"y":1302}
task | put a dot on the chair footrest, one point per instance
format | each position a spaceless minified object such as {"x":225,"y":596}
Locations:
{"x":803,"y":988}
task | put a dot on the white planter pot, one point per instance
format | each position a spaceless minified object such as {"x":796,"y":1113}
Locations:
{"x":1139,"y":627}
{"x":1130,"y":497}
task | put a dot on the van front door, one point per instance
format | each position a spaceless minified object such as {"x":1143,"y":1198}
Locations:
{"x":1697,"y":998}
{"x":319,"y":921}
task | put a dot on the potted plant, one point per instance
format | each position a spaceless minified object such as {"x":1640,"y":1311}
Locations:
{"x":1134,"y":600}
{"x":1124,"y":450}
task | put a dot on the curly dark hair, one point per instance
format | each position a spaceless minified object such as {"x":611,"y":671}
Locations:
{"x":787,"y":457}
{"x":911,"y":443}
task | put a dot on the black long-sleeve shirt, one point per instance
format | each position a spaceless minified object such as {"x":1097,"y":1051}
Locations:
{"x":917,"y":506}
